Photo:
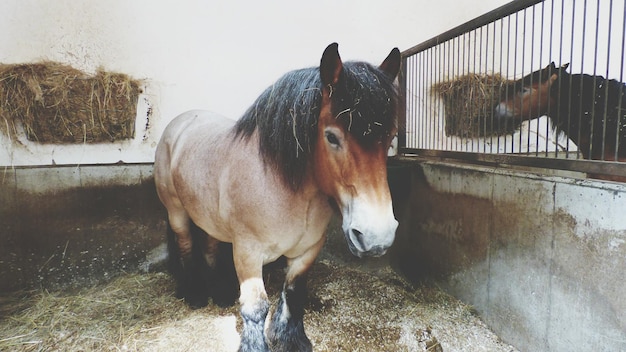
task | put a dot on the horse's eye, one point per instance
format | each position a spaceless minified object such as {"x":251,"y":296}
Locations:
{"x":332,"y":139}
{"x":525,"y":90}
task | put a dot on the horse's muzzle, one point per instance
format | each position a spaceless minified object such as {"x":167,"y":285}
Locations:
{"x":502,"y":111}
{"x":360,"y":246}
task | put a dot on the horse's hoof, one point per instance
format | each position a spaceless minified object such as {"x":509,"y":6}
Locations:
{"x":194,"y":301}
{"x":197,"y":302}
{"x":289,"y":341}
{"x":291,"y":346}
{"x":224,"y":302}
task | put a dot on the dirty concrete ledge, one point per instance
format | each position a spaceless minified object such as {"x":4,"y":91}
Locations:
{"x":65,"y":226}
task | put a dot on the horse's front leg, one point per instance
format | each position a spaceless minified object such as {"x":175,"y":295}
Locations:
{"x":286,"y":330}
{"x":253,"y":301}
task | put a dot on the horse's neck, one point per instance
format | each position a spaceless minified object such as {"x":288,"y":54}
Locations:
{"x":567,"y":94}
{"x":580,"y":106}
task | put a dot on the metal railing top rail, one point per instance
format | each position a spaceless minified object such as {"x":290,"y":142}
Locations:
{"x":489,"y":17}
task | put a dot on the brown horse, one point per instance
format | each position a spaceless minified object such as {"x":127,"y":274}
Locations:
{"x":590,"y":110}
{"x":314,"y":141}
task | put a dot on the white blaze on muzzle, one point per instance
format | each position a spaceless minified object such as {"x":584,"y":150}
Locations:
{"x":369,"y":227}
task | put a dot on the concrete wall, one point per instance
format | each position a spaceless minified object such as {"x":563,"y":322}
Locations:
{"x":542,"y":259}
{"x":74,"y":226}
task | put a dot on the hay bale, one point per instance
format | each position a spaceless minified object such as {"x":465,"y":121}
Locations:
{"x":469,"y":101}
{"x":57,"y":103}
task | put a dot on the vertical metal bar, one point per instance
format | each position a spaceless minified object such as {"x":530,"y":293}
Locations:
{"x":414,"y":101}
{"x":449,"y":55}
{"x":555,"y":119}
{"x":410,"y":102}
{"x":560,"y":80}
{"x":423,"y":100}
{"x":405,"y":80}
{"x":458,"y":70}
{"x":472,"y":57}
{"x":580,"y":86}
{"x":429,"y":122}
{"x":621,"y":110}
{"x":522,"y":71}
{"x":441,"y":78}
{"x":410,"y":123}
{"x":402,"y":81}
{"x":570,"y":83}
{"x":532,"y":59}
{"x":541,"y":34}
{"x":493,"y":67}
{"x":451,"y":75}
{"x":606,"y":85}
{"x":426,"y":98}
{"x":419,"y":100}
{"x":437,"y":106}
{"x":508,"y":62}
{"x":595,"y":67}
{"x":506,"y":93}
{"x":482,"y":131}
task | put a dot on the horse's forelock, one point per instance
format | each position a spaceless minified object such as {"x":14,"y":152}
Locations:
{"x":366,"y":103}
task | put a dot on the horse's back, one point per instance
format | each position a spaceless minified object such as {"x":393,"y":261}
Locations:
{"x":192,"y":127}
{"x":193,"y":122}
{"x":181,"y":140}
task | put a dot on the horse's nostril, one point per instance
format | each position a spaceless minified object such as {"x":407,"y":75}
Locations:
{"x":357,"y":239}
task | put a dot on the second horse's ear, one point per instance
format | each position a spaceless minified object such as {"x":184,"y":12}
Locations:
{"x":331,"y":65}
{"x":564,"y":66}
{"x":547,"y":72}
{"x":391,"y":64}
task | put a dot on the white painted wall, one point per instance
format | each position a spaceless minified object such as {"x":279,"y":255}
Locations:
{"x":216,"y":55}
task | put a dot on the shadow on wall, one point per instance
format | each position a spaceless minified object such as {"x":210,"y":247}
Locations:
{"x":439,"y":233}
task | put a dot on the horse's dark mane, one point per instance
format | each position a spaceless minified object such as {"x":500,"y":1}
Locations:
{"x":286,"y":115}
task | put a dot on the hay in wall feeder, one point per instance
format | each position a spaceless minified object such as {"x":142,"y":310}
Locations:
{"x":469,"y":102}
{"x":56,"y":103}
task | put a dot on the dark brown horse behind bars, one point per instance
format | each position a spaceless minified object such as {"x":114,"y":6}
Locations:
{"x":266,"y":184}
{"x":590,"y":110}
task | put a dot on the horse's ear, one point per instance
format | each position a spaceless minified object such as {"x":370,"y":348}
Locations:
{"x":331,"y":65}
{"x":554,"y":74}
{"x":391,"y":64}
{"x":547,"y":72}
